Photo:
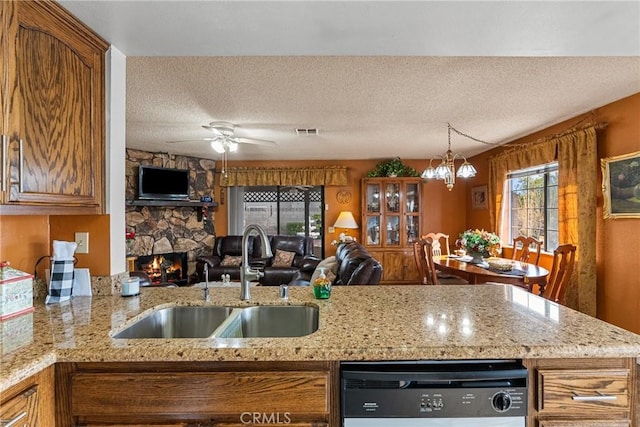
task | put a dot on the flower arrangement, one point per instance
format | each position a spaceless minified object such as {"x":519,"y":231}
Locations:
{"x":129,"y":236}
{"x":480,"y":242}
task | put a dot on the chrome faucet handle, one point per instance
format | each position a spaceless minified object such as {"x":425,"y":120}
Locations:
{"x":206,"y":283}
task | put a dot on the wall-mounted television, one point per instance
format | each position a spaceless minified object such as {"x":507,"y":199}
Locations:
{"x":158,"y":183}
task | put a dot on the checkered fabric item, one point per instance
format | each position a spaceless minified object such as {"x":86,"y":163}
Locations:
{"x":61,"y":281}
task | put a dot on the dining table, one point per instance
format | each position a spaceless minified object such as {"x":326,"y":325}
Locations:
{"x":521,"y":274}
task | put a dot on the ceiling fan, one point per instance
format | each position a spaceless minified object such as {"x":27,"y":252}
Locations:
{"x":225,"y":140}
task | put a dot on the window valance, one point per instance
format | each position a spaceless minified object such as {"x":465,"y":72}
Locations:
{"x":248,"y":176}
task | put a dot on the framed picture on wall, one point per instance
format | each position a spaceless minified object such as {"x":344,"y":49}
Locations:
{"x":479,"y":197}
{"x":621,"y":185}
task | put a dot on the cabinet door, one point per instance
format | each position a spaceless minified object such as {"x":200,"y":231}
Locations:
{"x":218,"y":396}
{"x":584,"y":423}
{"x":21,"y":410}
{"x":6,"y":11}
{"x":56,"y":109}
{"x":411,"y":213}
{"x":393,"y":270}
{"x":371,"y":214}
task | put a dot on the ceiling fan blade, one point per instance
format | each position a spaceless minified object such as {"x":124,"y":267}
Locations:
{"x":193,"y":140}
{"x":214,"y":130}
{"x":256,"y":141}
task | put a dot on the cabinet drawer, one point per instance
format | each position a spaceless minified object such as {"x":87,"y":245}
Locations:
{"x":222,"y":396}
{"x":21,"y":410}
{"x":580,"y":392}
{"x":582,"y":423}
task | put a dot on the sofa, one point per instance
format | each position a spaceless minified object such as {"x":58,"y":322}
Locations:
{"x":292,"y":258}
{"x":352,"y":265}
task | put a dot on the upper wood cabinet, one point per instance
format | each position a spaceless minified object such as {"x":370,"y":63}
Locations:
{"x":391,"y":209}
{"x":53,"y":113}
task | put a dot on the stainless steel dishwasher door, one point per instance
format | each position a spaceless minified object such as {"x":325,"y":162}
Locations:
{"x":435,"y":422}
{"x":483,"y":393}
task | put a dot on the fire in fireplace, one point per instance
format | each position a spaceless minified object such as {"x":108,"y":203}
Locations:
{"x":164,"y":268}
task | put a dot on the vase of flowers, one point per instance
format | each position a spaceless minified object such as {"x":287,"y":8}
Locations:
{"x":479,"y":244}
{"x":129,"y":235}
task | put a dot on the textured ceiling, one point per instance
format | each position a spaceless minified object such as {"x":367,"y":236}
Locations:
{"x":494,"y":70}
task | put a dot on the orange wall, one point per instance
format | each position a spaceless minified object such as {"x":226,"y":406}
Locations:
{"x":617,"y":240}
{"x":443,"y":210}
{"x":98,"y":258}
{"x":25,"y":238}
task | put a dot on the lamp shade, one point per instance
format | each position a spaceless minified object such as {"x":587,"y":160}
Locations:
{"x":346,"y":220}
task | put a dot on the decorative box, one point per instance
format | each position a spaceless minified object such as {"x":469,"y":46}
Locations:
{"x":16,"y":292}
{"x":16,"y":332}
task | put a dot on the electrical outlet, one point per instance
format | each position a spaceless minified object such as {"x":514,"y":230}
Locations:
{"x":82,"y":239}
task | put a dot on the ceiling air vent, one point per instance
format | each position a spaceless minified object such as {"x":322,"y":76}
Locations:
{"x":306,"y":131}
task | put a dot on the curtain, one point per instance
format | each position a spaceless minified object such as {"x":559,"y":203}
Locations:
{"x":577,"y":198}
{"x":514,"y":159}
{"x":575,"y":152}
{"x":244,"y":176}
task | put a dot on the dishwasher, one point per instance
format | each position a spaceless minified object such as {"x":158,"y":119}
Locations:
{"x":434,"y":393}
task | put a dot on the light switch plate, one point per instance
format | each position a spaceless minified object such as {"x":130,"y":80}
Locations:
{"x":82,"y":239}
{"x":332,"y":229}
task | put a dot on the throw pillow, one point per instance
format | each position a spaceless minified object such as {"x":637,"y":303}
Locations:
{"x":283,"y":258}
{"x":330,"y":266}
{"x":231,"y":261}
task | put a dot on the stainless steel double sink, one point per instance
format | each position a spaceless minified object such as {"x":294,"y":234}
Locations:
{"x":225,"y":322}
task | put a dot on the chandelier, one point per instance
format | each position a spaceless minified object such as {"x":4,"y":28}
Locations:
{"x":446,"y":170}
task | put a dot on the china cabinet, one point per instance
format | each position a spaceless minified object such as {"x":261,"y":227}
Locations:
{"x":52,"y":94}
{"x":391,"y":212}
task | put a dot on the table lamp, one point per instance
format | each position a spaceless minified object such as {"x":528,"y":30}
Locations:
{"x":345,"y":220}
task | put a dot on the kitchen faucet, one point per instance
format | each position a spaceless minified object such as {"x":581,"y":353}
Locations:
{"x":247,"y":274}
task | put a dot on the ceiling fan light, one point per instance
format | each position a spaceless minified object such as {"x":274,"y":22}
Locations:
{"x":233,"y":146}
{"x":466,"y":170}
{"x":217,"y":146}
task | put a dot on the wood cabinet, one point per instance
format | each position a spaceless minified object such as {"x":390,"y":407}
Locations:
{"x":30,"y":403}
{"x":53,"y":115}
{"x":217,"y":394}
{"x":391,"y":216}
{"x":583,"y":392}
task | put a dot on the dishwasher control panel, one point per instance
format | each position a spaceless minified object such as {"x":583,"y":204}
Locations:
{"x":433,"y":389}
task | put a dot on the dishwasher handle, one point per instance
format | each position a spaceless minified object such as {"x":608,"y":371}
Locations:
{"x":434,"y":377}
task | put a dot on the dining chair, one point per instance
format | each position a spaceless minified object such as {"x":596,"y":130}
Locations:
{"x":564,"y":257}
{"x":437,"y":245}
{"x":522,"y":249}
{"x":423,"y":252}
{"x":440,"y":241}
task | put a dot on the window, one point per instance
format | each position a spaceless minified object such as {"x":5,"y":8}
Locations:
{"x":286,"y":211}
{"x":531,"y":207}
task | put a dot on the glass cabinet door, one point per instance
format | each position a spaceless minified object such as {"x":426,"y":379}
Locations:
{"x":413,"y":228}
{"x":393,"y":230}
{"x":373,"y":230}
{"x":392,"y":197}
{"x":373,"y":198}
{"x":412,"y":198}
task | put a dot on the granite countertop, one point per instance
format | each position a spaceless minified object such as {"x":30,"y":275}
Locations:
{"x":356,"y":323}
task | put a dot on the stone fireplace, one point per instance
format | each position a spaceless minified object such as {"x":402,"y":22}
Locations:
{"x":165,"y":228}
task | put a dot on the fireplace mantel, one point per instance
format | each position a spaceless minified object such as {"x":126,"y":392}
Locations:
{"x":189,"y":203}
